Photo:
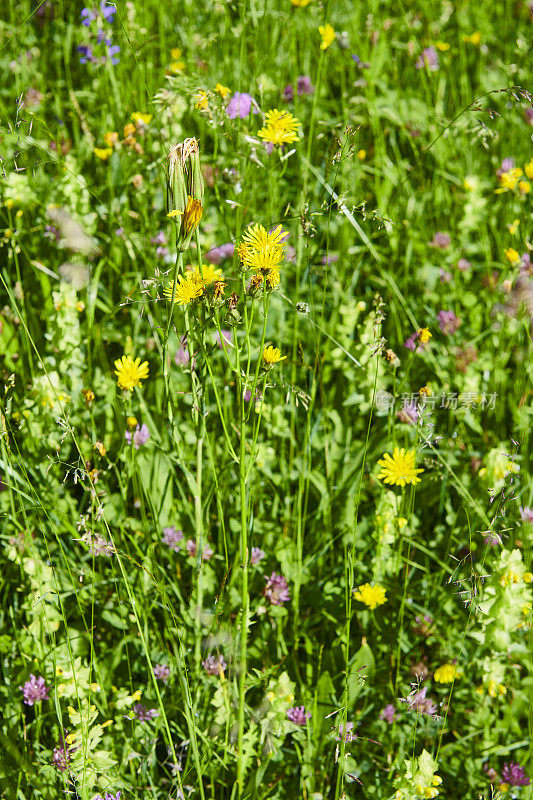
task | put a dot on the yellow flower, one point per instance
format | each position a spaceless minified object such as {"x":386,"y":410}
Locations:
{"x":442,"y":46}
{"x":328,"y":35}
{"x":130,"y":372}
{"x":280,"y":127}
{"x":508,"y":180}
{"x":175,"y":53}
{"x":300,"y":3}
{"x":131,"y":422}
{"x":129,"y":130}
{"x":271,"y":356}
{"x":496,"y":689}
{"x":188,"y":288}
{"x":512,"y":256}
{"x":222,"y":90}
{"x":371,"y":596}
{"x":257,"y":237}
{"x":524,"y":186}
{"x":527,"y":577}
{"x":201,"y":100}
{"x":110,"y":138}
{"x":470,"y":183}
{"x":529,"y":169}
{"x":208,"y":275}
{"x":177,"y":66}
{"x":473,"y":38}
{"x":103,"y":152}
{"x":509,"y":578}
{"x":424,"y":335}
{"x":513,"y":227}
{"x":399,"y":469}
{"x":141,"y":119}
{"x":445,"y":673}
{"x":193,"y":214}
{"x":361,"y":155}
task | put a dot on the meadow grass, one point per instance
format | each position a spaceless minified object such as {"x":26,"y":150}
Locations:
{"x":265,"y":421}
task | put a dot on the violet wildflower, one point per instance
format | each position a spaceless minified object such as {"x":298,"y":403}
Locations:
{"x":298,"y":715}
{"x":440,"y":240}
{"x":144,"y":714}
{"x":182,"y":357}
{"x":444,"y":275}
{"x":290,"y":253}
{"x":463,"y":265}
{"x":240,"y":105}
{"x":162,"y":672}
{"x":108,"y":796}
{"x":507,"y":165}
{"x":303,"y":86}
{"x":515,"y":775}
{"x":257,"y":555}
{"x":360,"y":64}
{"x":428,"y":58}
{"x":347,"y":736}
{"x":192,"y":549}
{"x":34,"y":690}
{"x":525,"y":264}
{"x":60,"y":757}
{"x":218,"y":254}
{"x":227,"y":336}
{"x":492,"y":539}
{"x":172,"y":538}
{"x":418,"y":701}
{"x":329,"y":258}
{"x":448,"y":322}
{"x":214,"y":665}
{"x":276,"y":590}
{"x":526,"y":513}
{"x":409,"y":413}
{"x":414,"y":344}
{"x":388,"y":714}
{"x":528,"y":115}
{"x":119,"y":232}
{"x":140,"y":436}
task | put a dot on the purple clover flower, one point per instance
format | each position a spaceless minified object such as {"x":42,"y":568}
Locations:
{"x":418,"y":701}
{"x":60,"y":757}
{"x":428,"y":58}
{"x":240,"y":105}
{"x":298,"y":715}
{"x":34,"y":690}
{"x":218,"y":254}
{"x":192,"y":549}
{"x":346,"y":736}
{"x":144,"y":714}
{"x":507,"y":164}
{"x":140,"y":436}
{"x":303,"y":86}
{"x":172,"y":538}
{"x":214,"y":665}
{"x":257,"y":555}
{"x":409,"y":413}
{"x":276,"y":590}
{"x":414,"y":344}
{"x":526,"y":513}
{"x":448,"y":322}
{"x":515,"y":775}
{"x":463,"y":265}
{"x":440,"y":240}
{"x":388,"y":714}
{"x":108,"y":796}
{"x":162,"y":672}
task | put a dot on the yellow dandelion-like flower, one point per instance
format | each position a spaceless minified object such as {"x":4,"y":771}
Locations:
{"x":513,"y":227}
{"x":103,"y":152}
{"x":528,"y":169}
{"x":272,"y":278}
{"x":271,"y":356}
{"x":222,"y":90}
{"x":141,"y":119}
{"x":111,"y":138}
{"x":328,"y":35}
{"x":201,"y":100}
{"x":130,"y":372}
{"x":208,"y":275}
{"x":446,"y":673}
{"x":280,"y":128}
{"x":193,"y":214}
{"x":177,"y":66}
{"x":512,"y":256}
{"x":423,"y":335}
{"x":300,"y":3}
{"x":524,"y":186}
{"x":473,"y":38}
{"x":256,"y":236}
{"x":188,"y":288}
{"x":442,"y":46}
{"x":371,"y":595}
{"x":508,"y":180}
{"x":175,"y":53}
{"x":399,"y":469}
